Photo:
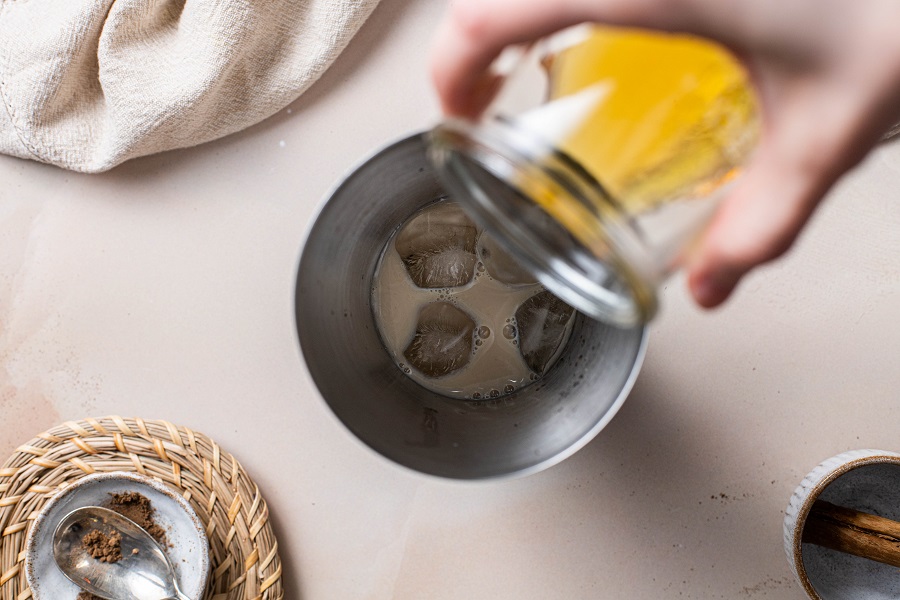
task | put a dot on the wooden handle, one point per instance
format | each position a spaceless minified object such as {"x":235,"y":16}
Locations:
{"x":853,"y":532}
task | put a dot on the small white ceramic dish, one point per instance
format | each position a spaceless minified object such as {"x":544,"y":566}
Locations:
{"x":865,"y":480}
{"x":188,"y":546}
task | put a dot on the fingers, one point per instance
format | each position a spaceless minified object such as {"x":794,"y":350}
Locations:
{"x":754,"y":226}
{"x":472,"y":36}
{"x":475,"y":31}
{"x":813,"y":134}
{"x":760,"y":221}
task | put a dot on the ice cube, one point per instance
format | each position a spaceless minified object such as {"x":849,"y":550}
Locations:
{"x":501,"y":265}
{"x":443,"y":340}
{"x":438,"y":246}
{"x":542,"y":321}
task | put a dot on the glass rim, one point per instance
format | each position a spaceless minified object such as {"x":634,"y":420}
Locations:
{"x":508,"y":155}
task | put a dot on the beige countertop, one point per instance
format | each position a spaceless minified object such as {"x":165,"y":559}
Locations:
{"x":164,"y":289}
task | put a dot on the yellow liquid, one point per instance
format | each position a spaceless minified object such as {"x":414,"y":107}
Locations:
{"x":663,"y":122}
{"x":676,"y":120}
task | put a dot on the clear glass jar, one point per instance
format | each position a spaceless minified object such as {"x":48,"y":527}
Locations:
{"x":601,"y":158}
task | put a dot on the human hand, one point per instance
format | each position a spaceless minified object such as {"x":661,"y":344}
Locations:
{"x":827,"y":73}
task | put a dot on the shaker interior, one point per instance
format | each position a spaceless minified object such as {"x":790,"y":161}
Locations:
{"x":518,"y":433}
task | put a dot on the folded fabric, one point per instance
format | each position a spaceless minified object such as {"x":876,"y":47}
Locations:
{"x":88,"y":84}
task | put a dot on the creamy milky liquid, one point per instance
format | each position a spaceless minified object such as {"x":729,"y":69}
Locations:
{"x":496,"y":366}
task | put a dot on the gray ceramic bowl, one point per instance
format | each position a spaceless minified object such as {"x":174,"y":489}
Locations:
{"x":864,"y":480}
{"x":188,"y":546}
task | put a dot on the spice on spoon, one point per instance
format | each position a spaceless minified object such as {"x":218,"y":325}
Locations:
{"x":133,"y":506}
{"x":105,"y":548}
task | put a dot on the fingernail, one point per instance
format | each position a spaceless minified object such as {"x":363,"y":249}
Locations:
{"x":482,"y":93}
{"x":712,"y":289}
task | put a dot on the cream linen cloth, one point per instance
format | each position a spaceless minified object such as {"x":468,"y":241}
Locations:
{"x":87,"y":84}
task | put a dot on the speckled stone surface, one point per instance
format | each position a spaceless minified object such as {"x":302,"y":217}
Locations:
{"x":165,"y":288}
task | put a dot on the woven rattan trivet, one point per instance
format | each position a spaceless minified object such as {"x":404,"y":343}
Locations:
{"x":243,"y":550}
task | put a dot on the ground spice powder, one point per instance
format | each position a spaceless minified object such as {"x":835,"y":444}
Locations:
{"x":136,"y":507}
{"x":131,"y":505}
{"x":104,"y":548}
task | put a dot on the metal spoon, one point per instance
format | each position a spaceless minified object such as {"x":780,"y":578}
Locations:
{"x":143,"y":575}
